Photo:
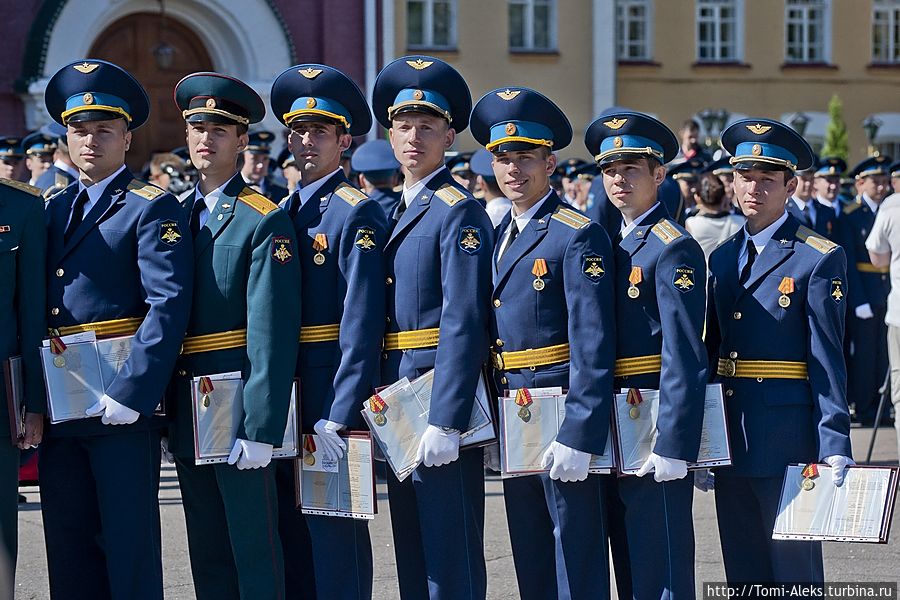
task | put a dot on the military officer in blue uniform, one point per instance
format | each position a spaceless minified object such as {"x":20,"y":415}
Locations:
{"x":341,"y":235}
{"x":777,"y":294}
{"x":23,"y":241}
{"x":553,"y":326}
{"x":62,"y":172}
{"x":378,"y":173}
{"x":438,"y":259}
{"x":39,"y":149}
{"x":119,"y":262}
{"x":687,"y":175}
{"x":245,"y":318}
{"x":255,"y":168}
{"x":868,"y":288}
{"x":806,"y":208}
{"x":827,"y":184}
{"x":11,"y":166}
{"x":660,"y":273}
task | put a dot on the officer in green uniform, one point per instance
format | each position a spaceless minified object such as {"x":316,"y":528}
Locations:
{"x":23,"y":241}
{"x":245,"y":317}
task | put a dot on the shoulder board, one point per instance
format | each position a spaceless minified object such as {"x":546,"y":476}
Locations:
{"x":851,"y":207}
{"x":22,"y":187}
{"x":60,"y":180}
{"x":814,"y":240}
{"x":449,"y":194}
{"x":256,"y":201}
{"x":665,"y":231}
{"x":144,"y":189}
{"x":349,"y":194}
{"x":572,"y":218}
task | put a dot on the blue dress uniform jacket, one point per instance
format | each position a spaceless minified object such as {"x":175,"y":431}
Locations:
{"x":388,"y":200}
{"x":130,"y":257}
{"x":116,"y":265}
{"x":23,"y":239}
{"x":776,"y":420}
{"x":867,"y":362}
{"x":53,"y":180}
{"x":438,"y":259}
{"x":659,"y":346}
{"x":824,"y":221}
{"x":247,"y":277}
{"x":343,"y":288}
{"x":552,"y":521}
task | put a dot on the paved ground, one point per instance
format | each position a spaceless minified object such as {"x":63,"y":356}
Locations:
{"x":843,"y":562}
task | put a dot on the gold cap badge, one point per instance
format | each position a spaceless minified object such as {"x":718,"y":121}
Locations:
{"x":759,"y":129}
{"x":86,"y":67}
{"x":756,"y":150}
{"x":615,"y":123}
{"x":510,"y":129}
{"x":419,"y":64}
{"x":617,"y":142}
{"x":88,"y":98}
{"x":418,"y":94}
{"x":310,"y":73}
{"x":210,"y":103}
{"x":509,"y":94}
{"x":310,"y":103}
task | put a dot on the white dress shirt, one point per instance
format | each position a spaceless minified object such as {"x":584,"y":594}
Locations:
{"x":409,"y":194}
{"x":310,"y":189}
{"x":759,"y":240}
{"x":626,"y":229}
{"x":211,"y":200}
{"x":521,"y":221}
{"x":94,"y":191}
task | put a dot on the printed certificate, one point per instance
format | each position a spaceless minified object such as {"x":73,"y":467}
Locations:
{"x":342,"y":488}
{"x":73,"y":375}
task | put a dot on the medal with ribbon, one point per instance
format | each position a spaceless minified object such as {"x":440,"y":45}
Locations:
{"x":523,"y":401}
{"x":634,"y":400}
{"x":309,"y":448}
{"x":377,"y":405}
{"x":785,"y":287}
{"x":635,"y":277}
{"x":206,"y":388}
{"x":539,"y":270}
{"x":320,"y":244}
{"x":57,"y":347}
{"x":810,"y":472}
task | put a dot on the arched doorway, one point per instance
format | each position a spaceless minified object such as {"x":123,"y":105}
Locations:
{"x":130,"y":43}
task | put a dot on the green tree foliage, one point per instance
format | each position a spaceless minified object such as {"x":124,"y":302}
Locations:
{"x":836,"y":143}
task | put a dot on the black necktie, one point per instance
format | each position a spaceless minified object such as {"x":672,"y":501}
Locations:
{"x":199,"y":205}
{"x":751,"y":257}
{"x":807,"y":217}
{"x":513,"y":232}
{"x":401,"y":208}
{"x":77,"y":215}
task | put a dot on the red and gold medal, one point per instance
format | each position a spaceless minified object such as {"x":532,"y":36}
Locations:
{"x":377,"y":405}
{"x":785,"y":287}
{"x":810,"y":472}
{"x":635,"y":277}
{"x":205,"y":388}
{"x":634,"y":399}
{"x":320,"y":244}
{"x":309,"y":449}
{"x":539,"y":270}
{"x":523,"y":401}
{"x":57,"y":347}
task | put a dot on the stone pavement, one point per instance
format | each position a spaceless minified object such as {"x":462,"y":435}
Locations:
{"x":843,"y":562}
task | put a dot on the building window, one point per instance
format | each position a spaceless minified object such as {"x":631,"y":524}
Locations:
{"x":719,"y":30}
{"x":431,"y":23}
{"x":807,"y":31}
{"x":886,"y":31}
{"x":634,"y":30}
{"x":532,"y":25}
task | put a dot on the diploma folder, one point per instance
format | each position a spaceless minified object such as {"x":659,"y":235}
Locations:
{"x":218,"y":409}
{"x":528,"y":428}
{"x":635,"y":430}
{"x":812,"y":508}
{"x":15,"y":397}
{"x":342,"y":488}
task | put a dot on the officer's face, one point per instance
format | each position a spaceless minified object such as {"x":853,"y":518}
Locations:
{"x":632,"y":183}
{"x":569,"y":185}
{"x":762,"y":194}
{"x":524,"y":176}
{"x":419,"y":141}
{"x":874,"y":186}
{"x":8,"y":167}
{"x":804,"y":186}
{"x":895,"y":183}
{"x":214,"y":147}
{"x":98,"y":147}
{"x":317,"y":148}
{"x":255,"y":167}
{"x":727,"y":180}
{"x":827,"y":187}
{"x":38,"y":164}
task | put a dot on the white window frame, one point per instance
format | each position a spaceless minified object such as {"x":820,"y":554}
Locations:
{"x":529,"y":26}
{"x":622,"y":26}
{"x":738,"y":6}
{"x":891,"y":9}
{"x":805,"y":6}
{"x":428,"y":26}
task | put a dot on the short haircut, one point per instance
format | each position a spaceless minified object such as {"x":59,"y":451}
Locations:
{"x":380,"y":179}
{"x":690,"y":124}
{"x":711,"y":189}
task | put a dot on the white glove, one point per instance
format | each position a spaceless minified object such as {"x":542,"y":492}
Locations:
{"x":839,"y":466}
{"x":331,"y":443}
{"x":492,"y":457}
{"x":566,"y":464}
{"x":704,"y":480}
{"x":864,"y":311}
{"x":167,"y":455}
{"x":113,"y":412}
{"x":438,"y":447}
{"x":663,"y":468}
{"x":250,"y":455}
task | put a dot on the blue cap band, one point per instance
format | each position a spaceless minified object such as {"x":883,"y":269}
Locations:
{"x":326,"y":107}
{"x":763,"y":153}
{"x":629,"y":144}
{"x":419,"y":97}
{"x":96,"y":101}
{"x":520,"y":131}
